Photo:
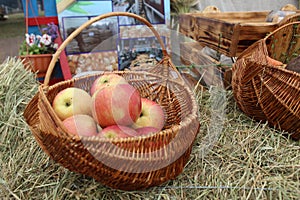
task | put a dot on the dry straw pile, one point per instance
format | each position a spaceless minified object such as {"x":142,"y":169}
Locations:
{"x":247,"y":160}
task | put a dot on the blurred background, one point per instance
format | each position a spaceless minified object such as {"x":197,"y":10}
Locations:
{"x":12,"y":26}
{"x":12,"y":22}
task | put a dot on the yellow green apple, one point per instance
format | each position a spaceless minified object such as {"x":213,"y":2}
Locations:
{"x":117,"y":131}
{"x":72,"y":101}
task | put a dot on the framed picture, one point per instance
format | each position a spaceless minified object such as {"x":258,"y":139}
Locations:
{"x":112,"y":43}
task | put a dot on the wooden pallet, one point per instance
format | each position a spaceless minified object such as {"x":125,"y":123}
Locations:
{"x":229,"y":33}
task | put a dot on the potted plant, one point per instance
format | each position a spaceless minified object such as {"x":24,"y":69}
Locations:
{"x":36,"y":50}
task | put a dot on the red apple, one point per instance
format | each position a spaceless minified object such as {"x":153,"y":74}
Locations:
{"x":116,"y":105}
{"x":106,"y":80}
{"x":82,"y":125}
{"x":146,"y":130}
{"x":152,"y":115}
{"x":117,"y":131}
{"x":72,"y":101}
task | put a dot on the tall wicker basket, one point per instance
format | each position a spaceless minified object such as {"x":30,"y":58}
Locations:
{"x":267,"y":92}
{"x":123,"y":163}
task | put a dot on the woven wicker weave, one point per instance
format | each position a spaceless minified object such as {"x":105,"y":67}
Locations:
{"x":267,"y":92}
{"x":123,"y":163}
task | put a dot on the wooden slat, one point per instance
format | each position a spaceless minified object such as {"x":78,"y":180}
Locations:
{"x":236,"y":17}
{"x":50,"y":8}
{"x":36,"y":21}
{"x":214,"y":41}
{"x":215,"y":26}
{"x":255,"y":32}
{"x":187,"y":22}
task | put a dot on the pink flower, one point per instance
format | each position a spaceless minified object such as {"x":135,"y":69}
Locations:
{"x":38,"y":44}
{"x":30,"y":39}
{"x":46,"y":39}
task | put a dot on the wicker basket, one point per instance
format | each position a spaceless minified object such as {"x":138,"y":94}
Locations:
{"x":267,"y":92}
{"x":123,"y":163}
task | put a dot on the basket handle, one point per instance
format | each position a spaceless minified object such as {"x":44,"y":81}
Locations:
{"x":281,"y":27}
{"x":88,"y":23}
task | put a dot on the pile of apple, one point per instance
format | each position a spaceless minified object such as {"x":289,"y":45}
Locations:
{"x":112,"y":108}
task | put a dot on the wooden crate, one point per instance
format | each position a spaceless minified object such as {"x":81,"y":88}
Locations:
{"x":229,"y":33}
{"x":206,"y":68}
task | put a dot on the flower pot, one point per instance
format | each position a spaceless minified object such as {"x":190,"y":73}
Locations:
{"x":37,"y":63}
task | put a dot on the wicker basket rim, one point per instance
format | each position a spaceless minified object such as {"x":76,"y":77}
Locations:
{"x":281,"y":27}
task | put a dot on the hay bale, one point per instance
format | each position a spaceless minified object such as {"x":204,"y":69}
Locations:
{"x":17,"y":86}
{"x":243,"y":160}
